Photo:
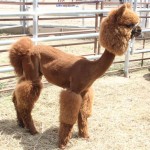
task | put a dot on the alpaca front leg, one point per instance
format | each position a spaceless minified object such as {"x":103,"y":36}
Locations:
{"x":70,"y":104}
{"x":26,"y":94}
{"x":85,"y":112}
{"x":83,"y":125}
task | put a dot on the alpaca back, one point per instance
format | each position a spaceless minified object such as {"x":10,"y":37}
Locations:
{"x":18,"y":51}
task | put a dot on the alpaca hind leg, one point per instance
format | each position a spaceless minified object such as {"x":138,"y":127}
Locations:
{"x":27,"y":119}
{"x":70,"y":104}
{"x":85,"y":112}
{"x":19,"y":118}
{"x":27,"y":93}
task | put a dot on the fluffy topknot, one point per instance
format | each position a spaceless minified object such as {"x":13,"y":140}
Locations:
{"x":116,"y":28}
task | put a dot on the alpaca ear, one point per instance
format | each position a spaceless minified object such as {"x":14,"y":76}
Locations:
{"x":128,"y":5}
{"x":120,"y":12}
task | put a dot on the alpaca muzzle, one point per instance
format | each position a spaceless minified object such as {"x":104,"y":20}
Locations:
{"x":136,"y":31}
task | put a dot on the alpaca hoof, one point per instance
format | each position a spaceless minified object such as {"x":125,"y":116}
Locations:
{"x":85,"y":136}
{"x":33,"y":132}
{"x":20,"y":124}
{"x":61,"y":146}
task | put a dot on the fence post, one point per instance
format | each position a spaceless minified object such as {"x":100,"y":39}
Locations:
{"x":83,"y":21}
{"x":35,"y":20}
{"x":23,"y":23}
{"x":100,"y":20}
{"x":96,"y":29}
{"x":126,"y":65}
{"x":130,"y":48}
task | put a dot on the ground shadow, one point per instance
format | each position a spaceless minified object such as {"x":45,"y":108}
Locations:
{"x":46,"y":140}
{"x":147,"y":76}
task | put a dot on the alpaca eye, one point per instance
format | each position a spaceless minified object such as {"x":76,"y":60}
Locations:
{"x":130,"y":25}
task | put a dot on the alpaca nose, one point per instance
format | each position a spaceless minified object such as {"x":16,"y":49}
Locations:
{"x":136,"y":31}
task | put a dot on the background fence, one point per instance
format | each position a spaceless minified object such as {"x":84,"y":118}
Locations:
{"x":67,"y":25}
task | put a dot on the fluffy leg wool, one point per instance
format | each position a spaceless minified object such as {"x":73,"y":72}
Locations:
{"x":70,"y":104}
{"x":24,"y":97}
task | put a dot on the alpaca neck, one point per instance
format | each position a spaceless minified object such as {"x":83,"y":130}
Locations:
{"x":102,"y":64}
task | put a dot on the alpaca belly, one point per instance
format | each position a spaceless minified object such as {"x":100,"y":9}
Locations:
{"x":59,"y":82}
{"x":56,"y":77}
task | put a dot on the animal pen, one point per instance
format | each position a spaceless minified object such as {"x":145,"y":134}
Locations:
{"x":31,"y":20}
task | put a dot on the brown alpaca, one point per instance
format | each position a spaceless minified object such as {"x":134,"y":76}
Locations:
{"x":73,"y":73}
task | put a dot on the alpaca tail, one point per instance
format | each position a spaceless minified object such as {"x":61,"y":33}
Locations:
{"x":19,"y":50}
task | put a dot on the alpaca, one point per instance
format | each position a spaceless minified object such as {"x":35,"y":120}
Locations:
{"x":75,"y":74}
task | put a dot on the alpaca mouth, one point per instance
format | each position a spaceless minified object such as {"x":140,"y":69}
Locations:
{"x":136,"y":31}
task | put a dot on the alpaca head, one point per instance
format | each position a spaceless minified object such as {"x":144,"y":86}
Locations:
{"x":118,"y":28}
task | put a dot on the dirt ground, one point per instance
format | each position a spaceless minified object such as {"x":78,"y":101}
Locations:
{"x":120,"y":119}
